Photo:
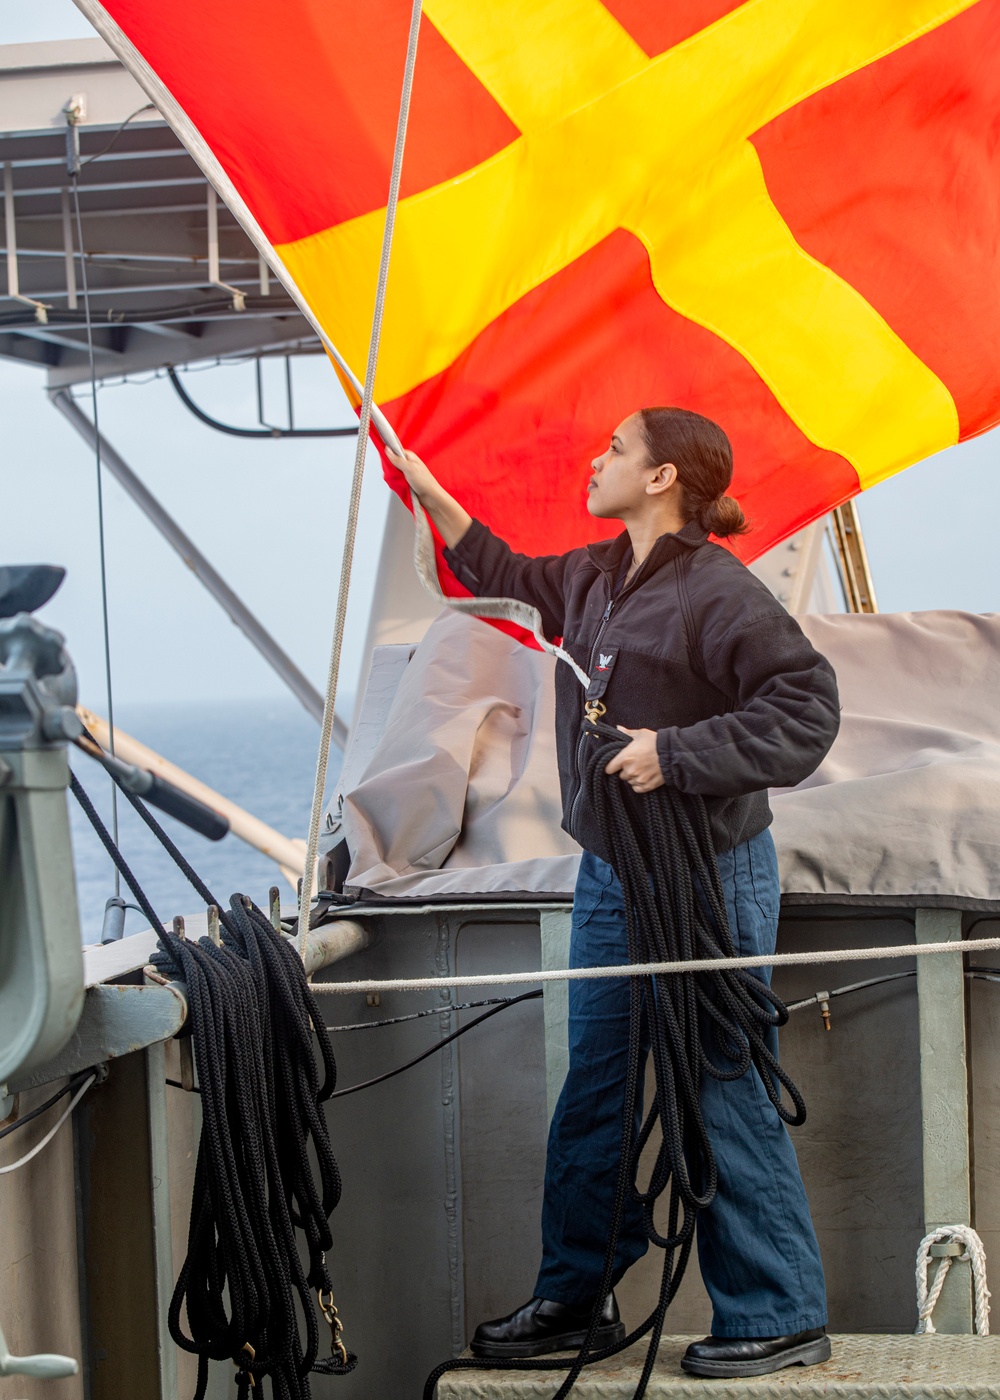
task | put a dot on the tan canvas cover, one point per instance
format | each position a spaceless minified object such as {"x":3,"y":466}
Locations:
{"x":460,"y":795}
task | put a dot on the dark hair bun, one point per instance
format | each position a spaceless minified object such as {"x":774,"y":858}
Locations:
{"x":723,"y":517}
{"x":703,"y":456}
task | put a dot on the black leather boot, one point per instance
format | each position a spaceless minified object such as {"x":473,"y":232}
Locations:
{"x":541,"y":1326}
{"x":755,"y":1356}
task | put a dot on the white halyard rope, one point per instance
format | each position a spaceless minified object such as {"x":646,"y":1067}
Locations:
{"x":326,"y":732}
{"x":571,"y":974}
{"x":972,"y":1253}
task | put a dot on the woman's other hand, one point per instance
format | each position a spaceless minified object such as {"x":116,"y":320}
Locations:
{"x":638,"y":763}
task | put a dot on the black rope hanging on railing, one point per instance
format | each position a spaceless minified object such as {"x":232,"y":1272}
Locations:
{"x":703,"y":1023}
{"x":252,"y":1017}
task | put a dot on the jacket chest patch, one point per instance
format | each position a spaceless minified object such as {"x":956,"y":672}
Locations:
{"x":604,"y":664}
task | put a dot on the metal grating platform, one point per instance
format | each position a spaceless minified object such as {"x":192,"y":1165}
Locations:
{"x":893,"y":1367}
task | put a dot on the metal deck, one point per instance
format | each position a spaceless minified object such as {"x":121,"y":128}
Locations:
{"x":903,"y":1366}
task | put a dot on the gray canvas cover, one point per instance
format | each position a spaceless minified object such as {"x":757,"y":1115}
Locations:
{"x":459,"y":795}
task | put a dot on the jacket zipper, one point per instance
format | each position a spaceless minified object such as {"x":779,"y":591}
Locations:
{"x":600,"y":633}
{"x":605,"y":619}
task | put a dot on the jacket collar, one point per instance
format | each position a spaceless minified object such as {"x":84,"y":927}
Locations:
{"x":608,"y":554}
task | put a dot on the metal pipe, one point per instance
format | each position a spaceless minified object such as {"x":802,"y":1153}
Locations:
{"x":237,"y":610}
{"x":143,"y":153}
{"x":110,"y":186}
{"x":326,"y":945}
{"x":155,"y":288}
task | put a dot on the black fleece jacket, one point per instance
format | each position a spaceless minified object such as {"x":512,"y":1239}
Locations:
{"x":694,"y":647}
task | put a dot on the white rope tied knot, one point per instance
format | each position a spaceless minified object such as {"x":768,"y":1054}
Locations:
{"x":973,"y":1253}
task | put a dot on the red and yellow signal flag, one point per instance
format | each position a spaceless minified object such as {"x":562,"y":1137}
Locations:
{"x":784,"y":214}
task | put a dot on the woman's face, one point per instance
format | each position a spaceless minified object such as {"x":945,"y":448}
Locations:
{"x":622,"y":475}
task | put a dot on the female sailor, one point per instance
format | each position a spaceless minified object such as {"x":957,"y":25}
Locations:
{"x":723,"y":696}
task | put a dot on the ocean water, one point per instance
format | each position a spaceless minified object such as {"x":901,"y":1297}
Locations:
{"x":259,"y":753}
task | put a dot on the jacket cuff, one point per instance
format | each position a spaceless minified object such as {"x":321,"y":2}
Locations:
{"x":467,"y":549}
{"x":664,"y":752}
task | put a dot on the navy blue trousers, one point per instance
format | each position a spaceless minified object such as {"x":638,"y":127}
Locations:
{"x":756,"y":1245}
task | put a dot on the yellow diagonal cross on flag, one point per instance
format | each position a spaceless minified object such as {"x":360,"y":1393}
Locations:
{"x":613,"y":139}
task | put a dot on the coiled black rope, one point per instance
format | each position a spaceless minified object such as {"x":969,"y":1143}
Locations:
{"x":252,"y":1016}
{"x":704,"y":1023}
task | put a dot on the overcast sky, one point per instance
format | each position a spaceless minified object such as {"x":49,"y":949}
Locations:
{"x":270,"y":515}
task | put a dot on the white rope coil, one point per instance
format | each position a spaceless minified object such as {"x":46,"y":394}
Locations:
{"x":973,"y":1253}
{"x":573,"y":974}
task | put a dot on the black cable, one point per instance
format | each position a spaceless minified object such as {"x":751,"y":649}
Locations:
{"x":815,"y":999}
{"x":147,"y":107}
{"x":983,"y":974}
{"x":177,"y":856}
{"x":112,"y":849}
{"x":498,"y":1004}
{"x":703,"y":1023}
{"x":234,"y":431}
{"x":430,"y":1011}
{"x":438,"y":1044}
{"x":67,"y":1088}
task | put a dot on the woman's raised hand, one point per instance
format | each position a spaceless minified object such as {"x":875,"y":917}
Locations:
{"x":419,"y":477}
{"x":451,"y":519}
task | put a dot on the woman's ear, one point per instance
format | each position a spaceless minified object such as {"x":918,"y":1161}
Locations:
{"x":662,"y":479}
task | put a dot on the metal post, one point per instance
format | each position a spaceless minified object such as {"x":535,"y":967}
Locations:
{"x":237,"y":610}
{"x":159,"y":1183}
{"x":945,"y":1104}
{"x":239,"y":298}
{"x":854,"y":571}
{"x":10,"y":232}
{"x":69,"y":253}
{"x":554,"y":925}
{"x":13,"y":285}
